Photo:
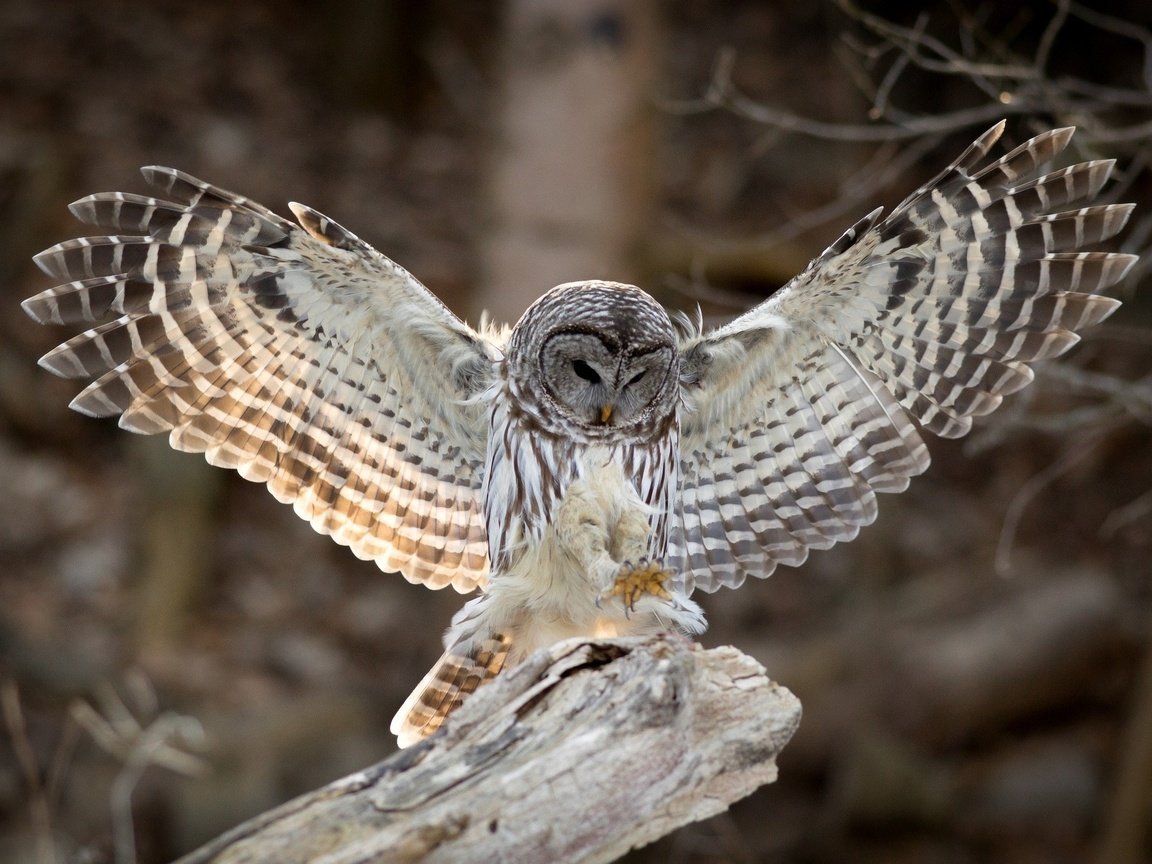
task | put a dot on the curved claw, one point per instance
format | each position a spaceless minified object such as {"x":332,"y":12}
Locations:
{"x":635,"y":581}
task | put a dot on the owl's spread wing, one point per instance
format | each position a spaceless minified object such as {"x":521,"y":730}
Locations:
{"x":296,"y":354}
{"x":802,"y":409}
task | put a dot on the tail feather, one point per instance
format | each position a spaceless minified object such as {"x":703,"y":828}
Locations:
{"x":461,"y":669}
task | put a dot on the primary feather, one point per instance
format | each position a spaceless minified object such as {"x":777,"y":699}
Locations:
{"x":296,"y":354}
{"x":802,"y":408}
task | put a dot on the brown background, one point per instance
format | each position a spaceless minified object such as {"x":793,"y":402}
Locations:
{"x":953,"y":713}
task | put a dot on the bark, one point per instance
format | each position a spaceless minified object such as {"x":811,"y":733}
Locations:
{"x":587,"y":750}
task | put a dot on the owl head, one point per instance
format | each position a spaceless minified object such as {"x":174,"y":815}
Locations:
{"x":597,"y":359}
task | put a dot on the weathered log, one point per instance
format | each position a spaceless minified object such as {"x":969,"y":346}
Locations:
{"x":587,"y":750}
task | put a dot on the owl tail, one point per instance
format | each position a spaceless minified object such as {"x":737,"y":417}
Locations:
{"x":462,"y":668}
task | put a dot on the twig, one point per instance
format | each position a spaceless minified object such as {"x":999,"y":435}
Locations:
{"x":1033,"y":487}
{"x":1048,"y":39}
{"x":38,"y":801}
{"x":1138,"y":508}
{"x":117,"y":731}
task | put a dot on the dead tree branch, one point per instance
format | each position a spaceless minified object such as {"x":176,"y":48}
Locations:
{"x":587,"y":750}
{"x":998,"y":80}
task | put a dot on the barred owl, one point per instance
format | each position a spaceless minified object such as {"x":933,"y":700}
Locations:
{"x":591,"y":466}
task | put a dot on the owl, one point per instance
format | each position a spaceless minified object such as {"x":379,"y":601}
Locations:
{"x":587,"y":469}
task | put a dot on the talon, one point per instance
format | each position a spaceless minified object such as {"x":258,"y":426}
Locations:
{"x":633,"y":582}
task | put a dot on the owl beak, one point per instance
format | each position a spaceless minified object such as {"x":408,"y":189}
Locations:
{"x":606,"y":412}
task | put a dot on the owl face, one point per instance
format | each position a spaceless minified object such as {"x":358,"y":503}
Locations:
{"x":596,"y":357}
{"x":599,"y":382}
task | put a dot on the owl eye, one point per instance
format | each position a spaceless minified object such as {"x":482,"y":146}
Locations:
{"x":635,"y":379}
{"x":585,"y":371}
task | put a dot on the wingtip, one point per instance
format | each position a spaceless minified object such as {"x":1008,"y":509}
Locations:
{"x":1060,"y":136}
{"x":1128,"y":262}
{"x":302,"y":211}
{"x":77,"y":206}
{"x":82,"y":404}
{"x":978,"y":149}
{"x":50,"y":363}
{"x":161,"y":176}
{"x":994,"y":132}
{"x":45,"y":261}
{"x":1123,"y":214}
{"x":1106,"y":307}
{"x":32,"y":307}
{"x":323,"y":229}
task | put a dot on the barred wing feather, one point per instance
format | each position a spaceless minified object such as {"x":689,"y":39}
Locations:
{"x":296,"y":354}
{"x":807,"y":405}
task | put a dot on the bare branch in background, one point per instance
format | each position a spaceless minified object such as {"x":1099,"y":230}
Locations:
{"x":139,"y":736}
{"x":39,"y":808}
{"x":1002,"y":79}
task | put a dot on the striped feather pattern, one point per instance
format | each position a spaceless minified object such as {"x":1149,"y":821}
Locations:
{"x":803,"y":408}
{"x":296,"y":354}
{"x":458,"y":673}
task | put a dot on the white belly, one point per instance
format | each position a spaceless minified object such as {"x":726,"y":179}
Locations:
{"x":551,"y":590}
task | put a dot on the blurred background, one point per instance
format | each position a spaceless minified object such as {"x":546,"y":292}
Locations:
{"x":178,"y":652}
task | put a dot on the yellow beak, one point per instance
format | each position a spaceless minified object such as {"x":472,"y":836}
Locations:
{"x":605,"y":412}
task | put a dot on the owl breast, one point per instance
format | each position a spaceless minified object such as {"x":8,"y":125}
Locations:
{"x":530,"y":473}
